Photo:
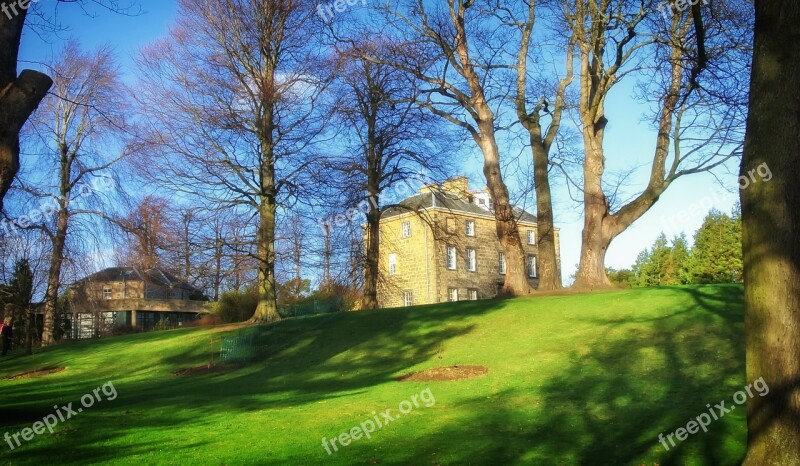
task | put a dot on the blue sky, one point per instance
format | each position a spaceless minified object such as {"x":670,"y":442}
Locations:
{"x":629,"y":140}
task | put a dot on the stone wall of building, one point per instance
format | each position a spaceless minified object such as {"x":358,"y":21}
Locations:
{"x":421,"y":264}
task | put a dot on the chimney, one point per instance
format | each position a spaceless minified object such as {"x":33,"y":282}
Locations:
{"x":458,"y":186}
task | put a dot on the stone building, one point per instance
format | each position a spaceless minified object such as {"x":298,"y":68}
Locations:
{"x":120,"y":297}
{"x":441,"y":245}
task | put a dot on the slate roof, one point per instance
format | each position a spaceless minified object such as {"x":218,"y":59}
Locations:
{"x":155,"y":276}
{"x":447,"y":201}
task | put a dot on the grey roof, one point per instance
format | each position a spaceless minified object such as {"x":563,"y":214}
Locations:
{"x":134,"y":274}
{"x":425,"y":201}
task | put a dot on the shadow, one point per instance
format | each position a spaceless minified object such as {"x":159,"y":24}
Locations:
{"x":297,"y":363}
{"x":593,"y":385}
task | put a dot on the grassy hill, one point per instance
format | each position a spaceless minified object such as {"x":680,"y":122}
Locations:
{"x":574,"y":379}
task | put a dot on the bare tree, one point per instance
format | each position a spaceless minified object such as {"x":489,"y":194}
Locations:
{"x":521,"y":17}
{"x":230,"y":98}
{"x":770,"y":222}
{"x":146,"y":228}
{"x":21,"y":94}
{"x":699,"y":126}
{"x":75,"y":127}
{"x":388,"y":140}
{"x":451,"y":51}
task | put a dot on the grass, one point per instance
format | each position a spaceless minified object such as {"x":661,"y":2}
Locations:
{"x":575,"y":379}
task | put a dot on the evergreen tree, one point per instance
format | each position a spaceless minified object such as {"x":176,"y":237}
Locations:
{"x":716,"y":255}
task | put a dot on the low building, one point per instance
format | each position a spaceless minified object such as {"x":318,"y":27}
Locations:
{"x":129,"y":297}
{"x":441,"y":245}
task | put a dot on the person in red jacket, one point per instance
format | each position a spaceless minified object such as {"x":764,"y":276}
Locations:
{"x":6,"y":334}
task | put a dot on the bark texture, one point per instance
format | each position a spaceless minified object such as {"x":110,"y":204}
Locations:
{"x":19,"y":97}
{"x":771,"y":238}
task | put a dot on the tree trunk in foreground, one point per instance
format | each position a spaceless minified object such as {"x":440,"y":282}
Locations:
{"x":19,"y":97}
{"x":549,"y":273}
{"x":54,"y":273}
{"x":267,"y":310}
{"x":371,"y":269}
{"x":771,"y":237}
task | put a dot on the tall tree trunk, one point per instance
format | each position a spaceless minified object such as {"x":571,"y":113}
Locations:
{"x":19,"y":97}
{"x":54,"y":274}
{"x":770,"y":238}
{"x":267,"y":309}
{"x":516,"y":282}
{"x":549,"y":273}
{"x":327,"y":253}
{"x":371,"y":269}
{"x":217,"y":266}
{"x":29,"y":329}
{"x":594,"y":243}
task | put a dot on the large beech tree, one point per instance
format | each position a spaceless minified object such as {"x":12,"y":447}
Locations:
{"x":771,"y":237}
{"x":389,"y":140}
{"x":695,"y":70}
{"x":74,"y":130}
{"x":229,"y":100}
{"x":455,"y":60}
{"x":534,"y":112}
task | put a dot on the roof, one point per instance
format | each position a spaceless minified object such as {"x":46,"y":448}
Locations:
{"x":447,"y":201}
{"x":154,"y":276}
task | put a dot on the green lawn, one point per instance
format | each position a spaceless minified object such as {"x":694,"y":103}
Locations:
{"x":574,"y":379}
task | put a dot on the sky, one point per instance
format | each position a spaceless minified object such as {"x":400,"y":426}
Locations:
{"x":629,"y":140}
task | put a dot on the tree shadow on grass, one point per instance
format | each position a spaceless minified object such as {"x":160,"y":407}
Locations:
{"x":300,"y":362}
{"x":610,"y":404}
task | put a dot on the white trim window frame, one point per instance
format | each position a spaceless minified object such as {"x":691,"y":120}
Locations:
{"x":406,"y":229}
{"x":501,"y":259}
{"x":392,"y":264}
{"x":451,"y":258}
{"x":472,"y":260}
{"x":531,"y":237}
{"x":452,"y":295}
{"x":469,"y":227}
{"x":408,"y":298}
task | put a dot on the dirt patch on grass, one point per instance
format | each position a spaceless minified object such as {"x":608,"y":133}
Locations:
{"x":444,"y":373}
{"x":205,"y":369}
{"x":36,"y":373}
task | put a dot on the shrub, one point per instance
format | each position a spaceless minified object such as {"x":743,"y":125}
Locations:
{"x":235,"y":306}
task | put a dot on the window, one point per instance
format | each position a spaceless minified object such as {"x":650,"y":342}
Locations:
{"x":530,"y":266}
{"x":473,"y":294}
{"x":451,"y":257}
{"x":470,"y":227}
{"x":408,"y":298}
{"x":502,"y":263}
{"x":452,"y":294}
{"x":471,"y":260}
{"x":531,"y":237}
{"x":406,"y":226}
{"x":450,"y":225}
{"x":392,"y":264}
{"x":107,"y":291}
